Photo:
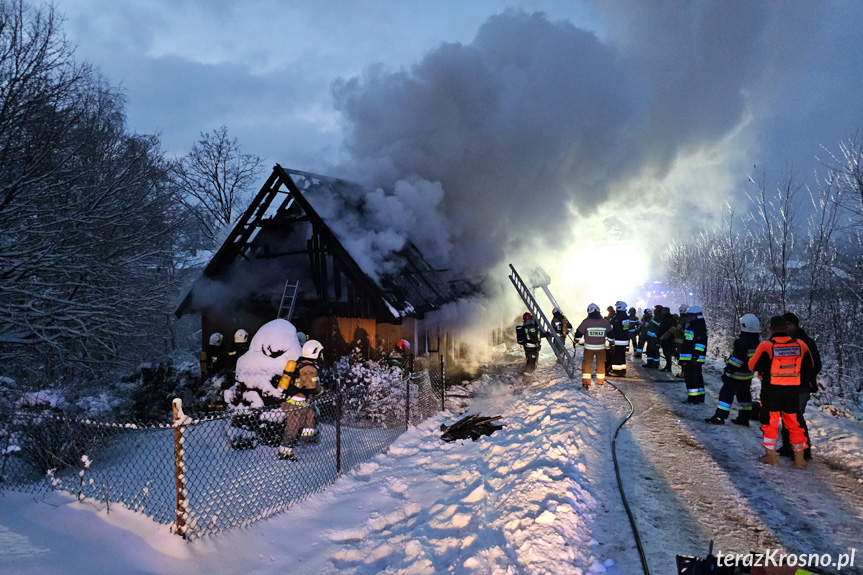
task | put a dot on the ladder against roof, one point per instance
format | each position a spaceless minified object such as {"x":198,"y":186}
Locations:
{"x":289,"y":300}
{"x":557,"y":345}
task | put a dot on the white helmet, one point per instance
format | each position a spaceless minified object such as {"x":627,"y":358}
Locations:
{"x":312,"y":349}
{"x":683,"y":308}
{"x":241,"y":336}
{"x":620,"y":306}
{"x":694,"y":310}
{"x":750,"y":324}
{"x":216,"y":338}
{"x":592,"y":308}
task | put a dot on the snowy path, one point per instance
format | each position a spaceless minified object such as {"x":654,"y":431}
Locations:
{"x":703,"y":482}
{"x":537,"y":497}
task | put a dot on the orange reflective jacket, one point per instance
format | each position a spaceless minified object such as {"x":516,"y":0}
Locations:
{"x":786,"y":359}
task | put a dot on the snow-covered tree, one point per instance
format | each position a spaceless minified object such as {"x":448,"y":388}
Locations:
{"x":84,"y":208}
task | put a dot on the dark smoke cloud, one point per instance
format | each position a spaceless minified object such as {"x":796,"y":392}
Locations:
{"x":527,"y":121}
{"x":538,"y":129}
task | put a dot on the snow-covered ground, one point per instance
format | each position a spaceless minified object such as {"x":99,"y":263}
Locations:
{"x":538,"y":496}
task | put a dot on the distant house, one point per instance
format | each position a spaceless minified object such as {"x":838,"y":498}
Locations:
{"x":281,"y":241}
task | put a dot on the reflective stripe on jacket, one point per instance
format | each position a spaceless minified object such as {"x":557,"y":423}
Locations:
{"x":781,"y":360}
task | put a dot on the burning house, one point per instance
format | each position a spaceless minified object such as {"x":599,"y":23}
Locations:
{"x":284,"y":259}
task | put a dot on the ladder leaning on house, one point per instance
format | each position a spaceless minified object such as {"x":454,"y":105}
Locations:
{"x":289,"y":299}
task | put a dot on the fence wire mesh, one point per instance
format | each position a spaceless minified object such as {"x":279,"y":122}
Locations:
{"x":228,"y":461}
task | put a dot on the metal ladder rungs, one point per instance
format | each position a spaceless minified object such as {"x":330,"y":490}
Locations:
{"x":557,"y":346}
{"x":291,"y":300}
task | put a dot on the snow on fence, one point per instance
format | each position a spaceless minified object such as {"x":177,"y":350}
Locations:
{"x":190,"y":472}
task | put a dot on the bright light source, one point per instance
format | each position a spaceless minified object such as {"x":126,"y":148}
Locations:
{"x":601,"y":272}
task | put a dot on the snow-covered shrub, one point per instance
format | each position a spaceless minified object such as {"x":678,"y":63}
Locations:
{"x":255,"y":390}
{"x":154,"y":386}
{"x":373,"y":391}
{"x":259,"y":369}
{"x":48,"y":442}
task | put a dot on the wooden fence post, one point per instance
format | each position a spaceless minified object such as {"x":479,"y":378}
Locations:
{"x":180,"y":422}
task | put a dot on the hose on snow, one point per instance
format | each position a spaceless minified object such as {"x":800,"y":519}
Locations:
{"x":620,"y":483}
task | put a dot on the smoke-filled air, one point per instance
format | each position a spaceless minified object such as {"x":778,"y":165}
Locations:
{"x":585,"y":151}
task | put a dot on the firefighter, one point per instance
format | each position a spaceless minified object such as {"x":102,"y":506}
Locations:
{"x":667,"y":326}
{"x":652,"y":327}
{"x":693,"y":354}
{"x":595,"y":330}
{"x":620,"y":340}
{"x":215,"y":355}
{"x":609,"y":313}
{"x":678,"y":334}
{"x":400,"y":355}
{"x":737,"y":377}
{"x":528,"y":335}
{"x":634,"y":327}
{"x":807,"y":387}
{"x":299,"y":413}
{"x":560,"y":324}
{"x":642,"y":331}
{"x":239,"y":347}
{"x":782,"y":363}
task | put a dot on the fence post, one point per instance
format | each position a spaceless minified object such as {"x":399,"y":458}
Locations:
{"x":442,"y":386}
{"x":180,"y":422}
{"x":339,"y":428}
{"x":407,"y":400}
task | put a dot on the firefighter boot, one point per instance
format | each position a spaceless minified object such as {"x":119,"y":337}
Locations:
{"x":769,"y":457}
{"x":286,"y":454}
{"x":740,"y":420}
{"x":715,"y":420}
{"x":799,"y":460}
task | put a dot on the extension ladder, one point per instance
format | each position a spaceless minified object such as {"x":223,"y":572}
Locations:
{"x":557,"y":345}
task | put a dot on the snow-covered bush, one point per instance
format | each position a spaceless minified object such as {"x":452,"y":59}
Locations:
{"x":154,"y":386}
{"x":373,"y":391}
{"x":259,"y":369}
{"x":48,"y":442}
{"x":256,"y":385}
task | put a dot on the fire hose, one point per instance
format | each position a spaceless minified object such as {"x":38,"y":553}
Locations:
{"x":620,"y":483}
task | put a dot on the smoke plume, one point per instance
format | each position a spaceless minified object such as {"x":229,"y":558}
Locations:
{"x":545,"y":138}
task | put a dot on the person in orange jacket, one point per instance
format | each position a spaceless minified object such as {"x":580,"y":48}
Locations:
{"x":781,"y":362}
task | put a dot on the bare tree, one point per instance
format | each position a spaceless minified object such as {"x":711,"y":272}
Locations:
{"x":774,"y":227}
{"x":84,"y":208}
{"x":215,"y":180}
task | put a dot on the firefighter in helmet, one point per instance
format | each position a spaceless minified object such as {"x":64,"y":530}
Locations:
{"x":693,"y":354}
{"x":302,"y":387}
{"x":737,"y":378}
{"x":400,"y":355}
{"x":595,"y":330}
{"x":528,"y":336}
{"x":620,"y":340}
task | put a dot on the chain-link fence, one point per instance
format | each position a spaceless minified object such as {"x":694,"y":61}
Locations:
{"x":204,"y":474}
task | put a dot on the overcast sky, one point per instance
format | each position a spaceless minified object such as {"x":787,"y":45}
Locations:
{"x":545,"y":123}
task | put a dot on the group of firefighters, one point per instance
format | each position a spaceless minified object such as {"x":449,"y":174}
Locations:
{"x":787,"y":363}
